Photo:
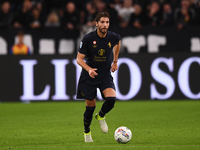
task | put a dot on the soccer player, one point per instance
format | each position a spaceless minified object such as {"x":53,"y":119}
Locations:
{"x":98,"y":47}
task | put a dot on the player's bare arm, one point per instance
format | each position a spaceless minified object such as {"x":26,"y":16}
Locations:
{"x":81,"y":62}
{"x":116,"y":49}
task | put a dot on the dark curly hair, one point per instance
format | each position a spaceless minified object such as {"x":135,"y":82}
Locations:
{"x":101,"y":14}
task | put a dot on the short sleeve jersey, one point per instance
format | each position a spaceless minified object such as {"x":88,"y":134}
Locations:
{"x":98,"y":52}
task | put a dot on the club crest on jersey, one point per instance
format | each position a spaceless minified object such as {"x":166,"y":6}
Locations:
{"x":101,"y":52}
{"x":94,"y":44}
{"x":109,"y":44}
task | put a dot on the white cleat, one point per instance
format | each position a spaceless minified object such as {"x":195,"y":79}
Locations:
{"x":88,"y":137}
{"x":102,"y":122}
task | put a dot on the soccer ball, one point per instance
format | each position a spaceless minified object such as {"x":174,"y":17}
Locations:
{"x":123,"y":135}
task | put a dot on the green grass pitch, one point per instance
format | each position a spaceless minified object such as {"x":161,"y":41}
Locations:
{"x":155,"y":125}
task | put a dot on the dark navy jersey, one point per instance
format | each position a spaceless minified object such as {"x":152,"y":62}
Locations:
{"x":98,"y":51}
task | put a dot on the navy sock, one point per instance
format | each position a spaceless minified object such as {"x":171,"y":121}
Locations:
{"x":88,"y":118}
{"x":107,"y":106}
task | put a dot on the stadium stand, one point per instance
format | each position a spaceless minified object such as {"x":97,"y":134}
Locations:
{"x":73,"y":19}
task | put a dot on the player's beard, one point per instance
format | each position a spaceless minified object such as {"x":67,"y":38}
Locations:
{"x":103,"y":32}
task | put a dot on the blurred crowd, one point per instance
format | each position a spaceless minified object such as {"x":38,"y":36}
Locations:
{"x":76,"y":14}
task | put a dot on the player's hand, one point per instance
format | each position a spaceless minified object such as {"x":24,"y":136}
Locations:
{"x":114,"y":67}
{"x":92,"y":72}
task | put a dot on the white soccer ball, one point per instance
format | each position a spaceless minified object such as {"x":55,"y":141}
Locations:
{"x":123,"y":135}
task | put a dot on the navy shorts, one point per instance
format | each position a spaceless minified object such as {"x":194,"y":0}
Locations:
{"x":87,"y":87}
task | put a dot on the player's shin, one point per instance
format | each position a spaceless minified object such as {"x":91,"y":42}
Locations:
{"x":107,"y":106}
{"x":88,"y":118}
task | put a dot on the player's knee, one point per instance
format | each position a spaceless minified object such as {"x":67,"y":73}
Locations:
{"x":90,"y":103}
{"x":110,"y":101}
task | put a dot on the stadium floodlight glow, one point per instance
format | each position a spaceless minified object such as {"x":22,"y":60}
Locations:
{"x":135,"y":79}
{"x":183,"y":77}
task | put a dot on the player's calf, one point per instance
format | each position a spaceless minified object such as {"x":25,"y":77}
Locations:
{"x":88,"y":118}
{"x":107,"y":106}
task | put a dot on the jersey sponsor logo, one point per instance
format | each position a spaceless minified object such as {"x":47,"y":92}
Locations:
{"x":101,"y":52}
{"x":100,"y":57}
{"x":109,"y":44}
{"x":81,"y":44}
